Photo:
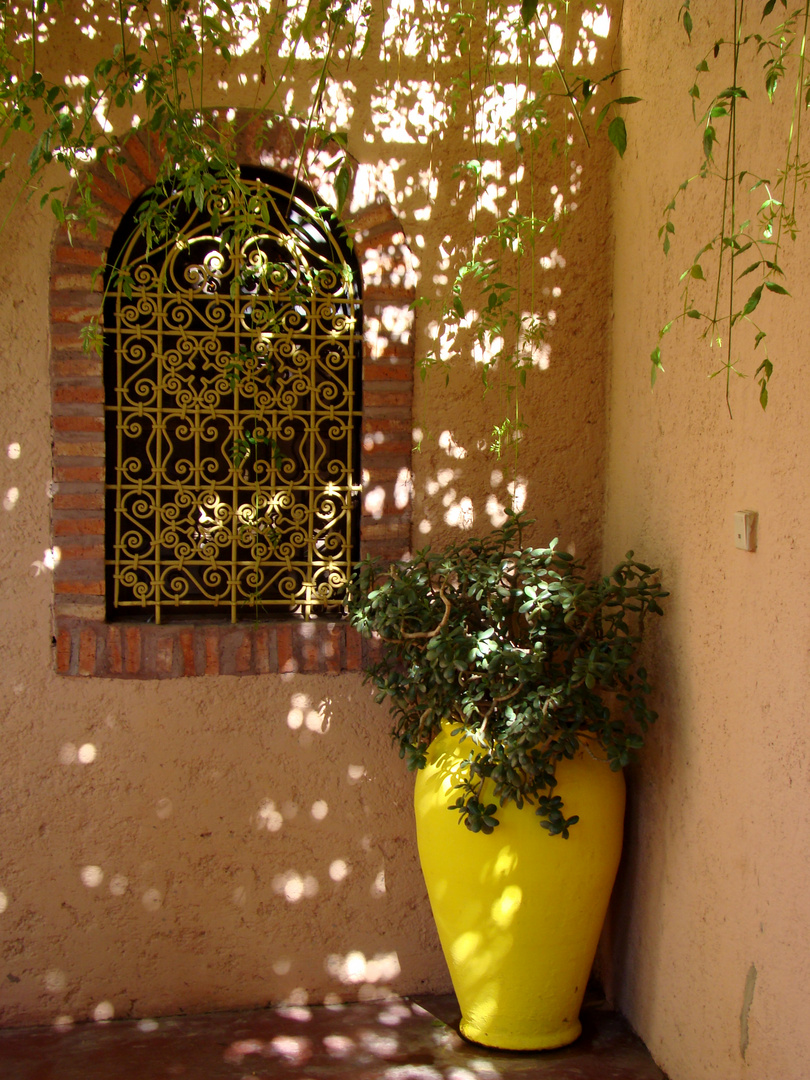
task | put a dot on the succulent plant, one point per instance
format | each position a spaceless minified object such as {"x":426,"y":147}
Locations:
{"x":519,"y":651}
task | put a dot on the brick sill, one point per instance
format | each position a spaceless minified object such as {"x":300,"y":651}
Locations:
{"x":84,"y":644}
{"x":90,"y":648}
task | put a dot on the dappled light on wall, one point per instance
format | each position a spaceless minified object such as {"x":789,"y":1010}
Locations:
{"x":257,"y":893}
{"x":104,"y":1012}
{"x":302,"y":824}
{"x":294,"y":886}
{"x":92,"y":876}
{"x":119,"y":884}
{"x":85,"y":754}
{"x":339,"y":870}
{"x":49,"y":561}
{"x":55,"y":981}
{"x":303,"y":714}
{"x":355,"y":968}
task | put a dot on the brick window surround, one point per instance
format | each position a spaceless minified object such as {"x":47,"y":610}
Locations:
{"x":85,"y":644}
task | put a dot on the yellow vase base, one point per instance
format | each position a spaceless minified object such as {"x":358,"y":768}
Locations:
{"x":520,"y":1040}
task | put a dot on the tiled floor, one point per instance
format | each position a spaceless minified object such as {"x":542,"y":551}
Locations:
{"x":413,"y":1039}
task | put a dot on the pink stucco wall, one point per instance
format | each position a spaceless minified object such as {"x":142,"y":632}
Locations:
{"x":711,"y":935}
{"x":223,"y":841}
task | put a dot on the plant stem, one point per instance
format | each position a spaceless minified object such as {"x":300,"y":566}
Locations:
{"x":731,"y":176}
{"x":316,"y":104}
{"x":798,"y":111}
{"x":202,"y":51}
{"x":561,"y":75}
{"x":172,"y":58}
{"x":795,"y":123}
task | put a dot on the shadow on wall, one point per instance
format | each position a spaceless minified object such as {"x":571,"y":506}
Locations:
{"x":280,"y":849}
{"x":455,"y":166}
{"x":632,"y":947}
{"x":223,"y":842}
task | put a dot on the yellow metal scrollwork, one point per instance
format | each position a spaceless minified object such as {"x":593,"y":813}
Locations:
{"x":233,"y":374}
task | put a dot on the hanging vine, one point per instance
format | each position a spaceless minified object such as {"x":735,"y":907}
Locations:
{"x":507,"y":71}
{"x":749,"y":238}
{"x":492,"y":303}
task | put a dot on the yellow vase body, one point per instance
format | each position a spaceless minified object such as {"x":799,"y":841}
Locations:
{"x":519,"y":912}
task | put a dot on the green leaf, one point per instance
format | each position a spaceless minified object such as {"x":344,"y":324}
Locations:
{"x":342,"y":183}
{"x":752,"y":300}
{"x":732,"y":92}
{"x":709,"y":139}
{"x":766,"y":367}
{"x":750,"y":268}
{"x":528,"y":9}
{"x":774,"y":287}
{"x":617,"y":133}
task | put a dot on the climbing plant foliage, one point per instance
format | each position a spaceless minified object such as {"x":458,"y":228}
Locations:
{"x":725,"y":286}
{"x":511,"y":81}
{"x":510,"y":77}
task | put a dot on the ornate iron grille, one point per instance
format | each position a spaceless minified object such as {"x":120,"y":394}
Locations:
{"x":233,"y":368}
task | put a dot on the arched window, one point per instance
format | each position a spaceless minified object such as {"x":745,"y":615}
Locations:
{"x":93,"y":637}
{"x":233,"y":371}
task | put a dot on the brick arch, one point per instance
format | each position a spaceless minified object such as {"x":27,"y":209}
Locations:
{"x":85,"y":644}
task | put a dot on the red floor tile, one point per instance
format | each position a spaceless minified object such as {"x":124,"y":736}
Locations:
{"x":413,"y":1039}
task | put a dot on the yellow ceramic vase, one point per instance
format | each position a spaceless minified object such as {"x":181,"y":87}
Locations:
{"x":519,"y":912}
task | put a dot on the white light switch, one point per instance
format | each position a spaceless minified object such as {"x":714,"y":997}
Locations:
{"x":745,"y":530}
